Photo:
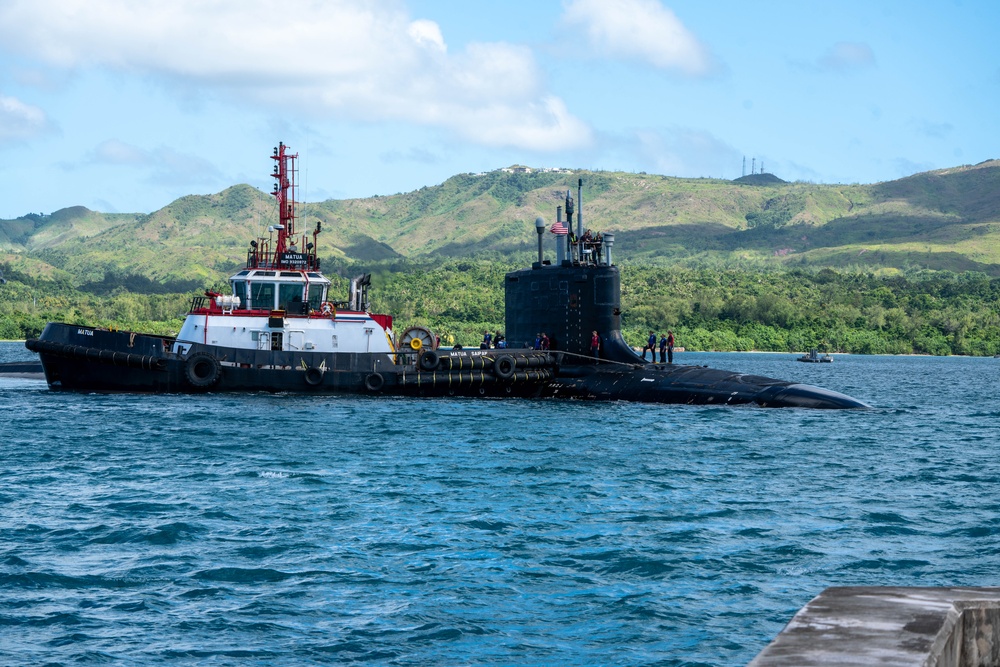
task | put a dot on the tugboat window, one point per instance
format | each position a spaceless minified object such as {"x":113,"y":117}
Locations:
{"x":290,"y":297}
{"x":240,"y":290}
{"x":315,"y":296}
{"x":262,"y":296}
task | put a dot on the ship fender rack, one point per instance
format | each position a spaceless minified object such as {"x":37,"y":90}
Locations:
{"x":93,"y":354}
{"x":453,"y":369}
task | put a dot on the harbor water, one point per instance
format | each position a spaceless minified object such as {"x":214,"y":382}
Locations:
{"x":288,"y":530}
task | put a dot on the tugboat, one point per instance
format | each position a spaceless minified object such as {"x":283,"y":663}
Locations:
{"x":280,"y":330}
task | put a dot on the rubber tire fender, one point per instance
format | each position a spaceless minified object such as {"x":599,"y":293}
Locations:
{"x":429,"y":360}
{"x":314,"y":376}
{"x":202,"y":370}
{"x":374,"y":382}
{"x":504,"y":366}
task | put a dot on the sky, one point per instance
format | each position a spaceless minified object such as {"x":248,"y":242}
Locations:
{"x":123,"y":106}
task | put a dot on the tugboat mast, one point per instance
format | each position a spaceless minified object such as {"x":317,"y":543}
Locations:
{"x":286,"y":254}
{"x":284,"y":192}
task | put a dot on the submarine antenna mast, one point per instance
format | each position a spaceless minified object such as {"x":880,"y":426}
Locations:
{"x":563,"y":248}
{"x":573,"y":254}
{"x":579,"y":209}
{"x":540,"y":229}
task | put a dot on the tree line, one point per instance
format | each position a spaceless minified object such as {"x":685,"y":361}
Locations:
{"x":911,"y":312}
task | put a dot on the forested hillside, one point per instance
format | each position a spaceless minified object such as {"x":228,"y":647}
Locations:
{"x":948,"y":219}
{"x":905,"y":266}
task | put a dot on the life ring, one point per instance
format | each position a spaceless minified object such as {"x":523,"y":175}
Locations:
{"x":202,"y":370}
{"x":328,"y":309}
{"x":374,"y":382}
{"x":314,"y":376}
{"x":429,"y":360}
{"x":503,"y":367}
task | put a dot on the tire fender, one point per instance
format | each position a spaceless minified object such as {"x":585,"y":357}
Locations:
{"x":202,"y":370}
{"x":374,"y":382}
{"x":314,"y":376}
{"x":503,"y":367}
{"x":429,"y":360}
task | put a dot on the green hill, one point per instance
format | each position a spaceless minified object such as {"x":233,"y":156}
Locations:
{"x":947,"y":219}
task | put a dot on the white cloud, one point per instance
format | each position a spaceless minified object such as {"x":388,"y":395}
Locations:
{"x":183,"y":169}
{"x":641,"y":30}
{"x":416,"y":155}
{"x":162,"y":165}
{"x":20,"y":121}
{"x":427,"y":33}
{"x":114,"y":151}
{"x":545,"y":125}
{"x":363,"y":59}
{"x":847,"y":56}
{"x":932,"y":129}
{"x":686,"y":152}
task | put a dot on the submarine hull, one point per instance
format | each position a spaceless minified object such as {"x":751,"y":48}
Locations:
{"x":692,"y":385}
{"x":571,"y":301}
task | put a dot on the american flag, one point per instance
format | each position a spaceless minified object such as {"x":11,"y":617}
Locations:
{"x":559,"y":229}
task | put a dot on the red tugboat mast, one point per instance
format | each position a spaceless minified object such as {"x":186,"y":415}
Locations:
{"x":284,"y":192}
{"x":286,"y":254}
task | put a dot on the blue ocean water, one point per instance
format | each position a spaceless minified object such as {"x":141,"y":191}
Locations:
{"x":289,"y":530}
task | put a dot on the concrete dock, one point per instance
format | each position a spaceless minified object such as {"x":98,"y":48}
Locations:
{"x":891,"y":627}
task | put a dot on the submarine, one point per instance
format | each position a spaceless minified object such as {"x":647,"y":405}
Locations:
{"x":281,"y":330}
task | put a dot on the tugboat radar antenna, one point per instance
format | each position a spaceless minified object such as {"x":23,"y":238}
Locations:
{"x":284,"y":192}
{"x":285,"y":251}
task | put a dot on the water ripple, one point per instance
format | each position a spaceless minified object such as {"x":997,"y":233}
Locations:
{"x":263,"y":529}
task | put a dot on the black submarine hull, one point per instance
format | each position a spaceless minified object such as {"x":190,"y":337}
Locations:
{"x":117,"y":361}
{"x":573,"y":300}
{"x":694,"y":385}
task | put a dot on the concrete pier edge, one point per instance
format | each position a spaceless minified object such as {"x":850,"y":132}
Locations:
{"x":891,"y":627}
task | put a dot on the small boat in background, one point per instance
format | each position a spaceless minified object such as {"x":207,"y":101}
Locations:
{"x":814,"y":357}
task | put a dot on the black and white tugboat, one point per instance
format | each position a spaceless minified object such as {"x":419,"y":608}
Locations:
{"x":280,"y":330}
